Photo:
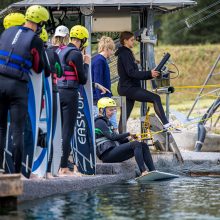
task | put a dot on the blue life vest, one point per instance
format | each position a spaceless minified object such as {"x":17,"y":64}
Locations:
{"x":15,"y":52}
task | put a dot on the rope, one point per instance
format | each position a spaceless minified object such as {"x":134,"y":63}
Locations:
{"x":198,"y":87}
{"x":148,"y":135}
{"x":194,"y":93}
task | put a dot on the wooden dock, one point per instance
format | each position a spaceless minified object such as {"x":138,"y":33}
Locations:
{"x":11,"y":186}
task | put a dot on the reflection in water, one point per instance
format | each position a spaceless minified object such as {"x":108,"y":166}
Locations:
{"x":182,"y":198}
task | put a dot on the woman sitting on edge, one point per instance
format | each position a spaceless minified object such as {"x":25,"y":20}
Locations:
{"x":112,"y":147}
{"x":130,"y":80}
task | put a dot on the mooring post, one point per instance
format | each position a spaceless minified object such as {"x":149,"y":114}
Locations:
{"x":11,"y":186}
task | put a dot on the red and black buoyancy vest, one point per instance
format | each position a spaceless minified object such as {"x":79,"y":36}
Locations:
{"x":15,"y":52}
{"x":69,"y":70}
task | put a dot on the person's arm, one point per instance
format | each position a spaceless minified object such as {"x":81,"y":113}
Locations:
{"x":98,"y":69}
{"x":132,"y":70}
{"x":104,"y":129}
{"x":76,"y":58}
{"x":39,"y":58}
{"x":100,"y":87}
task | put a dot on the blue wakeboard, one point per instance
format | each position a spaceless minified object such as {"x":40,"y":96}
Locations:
{"x":83,"y":142}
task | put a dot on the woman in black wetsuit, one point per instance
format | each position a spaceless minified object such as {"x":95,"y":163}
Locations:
{"x":130,"y":80}
{"x":75,"y":67}
{"x":112,"y":147}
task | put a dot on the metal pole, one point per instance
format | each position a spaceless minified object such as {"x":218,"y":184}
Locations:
{"x":143,"y":58}
{"x":168,"y":106}
{"x":88,"y":86}
{"x":167,"y":115}
{"x":124,"y":114}
{"x":150,"y":47}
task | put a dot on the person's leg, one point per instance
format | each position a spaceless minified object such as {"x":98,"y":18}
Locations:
{"x":124,"y":152}
{"x":3,"y":126}
{"x":18,"y":112}
{"x":147,"y":157}
{"x":142,"y":95}
{"x":129,"y":107}
{"x":69,"y":110}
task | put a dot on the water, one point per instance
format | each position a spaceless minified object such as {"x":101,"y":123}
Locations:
{"x":181,"y":198}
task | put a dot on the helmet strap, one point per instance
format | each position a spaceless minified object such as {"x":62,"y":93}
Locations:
{"x":83,"y":41}
{"x":104,"y":112}
{"x":39,"y":29}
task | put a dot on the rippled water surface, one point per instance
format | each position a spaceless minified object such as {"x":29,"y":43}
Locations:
{"x":181,"y":198}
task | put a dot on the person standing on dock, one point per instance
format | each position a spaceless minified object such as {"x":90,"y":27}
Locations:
{"x":20,"y":50}
{"x":101,"y":73}
{"x":75,"y":67}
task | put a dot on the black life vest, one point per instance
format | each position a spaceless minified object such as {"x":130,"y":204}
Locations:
{"x":15,"y":52}
{"x":103,"y":144}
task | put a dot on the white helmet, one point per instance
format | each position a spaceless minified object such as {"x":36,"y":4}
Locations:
{"x":61,"y":31}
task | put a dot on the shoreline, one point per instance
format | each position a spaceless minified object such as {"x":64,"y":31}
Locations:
{"x":202,"y":163}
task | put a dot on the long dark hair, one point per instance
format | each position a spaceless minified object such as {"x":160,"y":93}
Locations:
{"x":125,"y":35}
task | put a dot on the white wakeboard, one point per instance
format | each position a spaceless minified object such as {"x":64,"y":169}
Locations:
{"x":156,"y":175}
{"x":32,"y":122}
{"x":42,"y":153}
{"x":57,"y":138}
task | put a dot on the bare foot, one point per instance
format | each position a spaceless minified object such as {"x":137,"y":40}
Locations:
{"x":49,"y":176}
{"x":65,"y":172}
{"x":34,"y":176}
{"x":77,"y":173}
{"x":75,"y":169}
{"x":144,"y":173}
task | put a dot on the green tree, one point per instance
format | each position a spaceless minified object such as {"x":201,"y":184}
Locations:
{"x":6,"y":3}
{"x":207,"y":31}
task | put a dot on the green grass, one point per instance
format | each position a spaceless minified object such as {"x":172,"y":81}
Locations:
{"x":183,"y":107}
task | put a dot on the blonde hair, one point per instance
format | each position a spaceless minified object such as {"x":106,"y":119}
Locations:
{"x":105,"y":43}
{"x":60,"y":41}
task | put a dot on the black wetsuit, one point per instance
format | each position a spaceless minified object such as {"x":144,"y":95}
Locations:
{"x":130,"y":86}
{"x":14,"y":98}
{"x":69,"y":100}
{"x":56,"y":72}
{"x":112,"y":147}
